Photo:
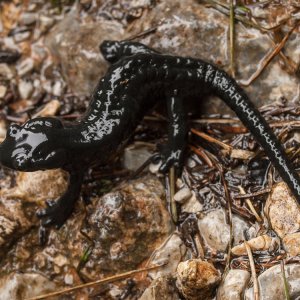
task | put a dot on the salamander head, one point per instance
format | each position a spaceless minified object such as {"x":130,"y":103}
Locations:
{"x":35,"y":145}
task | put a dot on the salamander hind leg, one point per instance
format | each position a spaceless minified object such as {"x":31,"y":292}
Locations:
{"x":57,"y":212}
{"x":172,"y":153}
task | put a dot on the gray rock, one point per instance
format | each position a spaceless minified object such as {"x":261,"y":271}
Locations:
{"x":234,"y":285}
{"x":76,"y":47}
{"x":271,"y":286}
{"x":215,"y":231}
{"x":162,"y":288}
{"x":182,"y":195}
{"x":58,"y":88}
{"x":135,"y":155}
{"x":172,"y":251}
{"x":192,"y":205}
{"x":28,"y":18}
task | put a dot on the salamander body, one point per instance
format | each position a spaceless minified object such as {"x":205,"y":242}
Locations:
{"x":137,"y":80}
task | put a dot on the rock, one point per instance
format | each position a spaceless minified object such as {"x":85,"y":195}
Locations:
{"x":13,"y":223}
{"x":291,"y":243}
{"x":182,"y":195}
{"x":215,"y":231}
{"x":17,"y":286}
{"x":197,"y":279}
{"x":192,"y":205}
{"x":172,"y":252}
{"x":126,"y":226}
{"x":25,"y":89}
{"x":271,"y":284}
{"x":3,"y":90}
{"x":135,"y":155}
{"x":22,"y":36}
{"x":282,"y":210}
{"x":39,"y":185}
{"x":260,"y":243}
{"x":162,"y":288}
{"x":46,"y":23}
{"x":38,"y":53}
{"x":28,"y":18}
{"x":76,"y":47}
{"x":6,"y":72}
{"x":234,"y":285}
{"x":58,"y":88}
{"x":25,"y":66}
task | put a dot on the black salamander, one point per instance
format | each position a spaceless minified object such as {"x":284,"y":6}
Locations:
{"x":138,"y":78}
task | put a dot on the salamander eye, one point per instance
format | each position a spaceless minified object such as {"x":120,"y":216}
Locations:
{"x":13,"y":130}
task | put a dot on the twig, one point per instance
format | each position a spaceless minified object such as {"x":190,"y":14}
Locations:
{"x":223,"y":8}
{"x":253,"y":271}
{"x":98,"y":282}
{"x":200,"y":151}
{"x":251,"y":207}
{"x":211,"y":139}
{"x":251,"y":195}
{"x":268,"y":58}
{"x":285,"y":283}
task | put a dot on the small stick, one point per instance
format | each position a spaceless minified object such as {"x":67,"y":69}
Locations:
{"x":285,"y":283}
{"x":253,"y":272}
{"x":101,"y":281}
{"x":268,"y":58}
{"x":251,"y":207}
{"x":211,"y":139}
{"x":251,"y":195}
{"x":200,"y":151}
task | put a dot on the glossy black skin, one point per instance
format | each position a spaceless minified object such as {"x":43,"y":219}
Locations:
{"x":138,"y":78}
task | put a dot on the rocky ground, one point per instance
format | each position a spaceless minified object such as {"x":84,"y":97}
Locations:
{"x":236,"y":231}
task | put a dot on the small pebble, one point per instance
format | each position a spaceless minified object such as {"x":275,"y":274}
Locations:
{"x":182,"y":195}
{"x":197,"y":279}
{"x":25,"y":67}
{"x":6,"y":72}
{"x":45,"y":23}
{"x":57,"y":89}
{"x":25,"y":89}
{"x":69,"y":280}
{"x":28,"y":18}
{"x":3,"y":90}
{"x":22,"y":36}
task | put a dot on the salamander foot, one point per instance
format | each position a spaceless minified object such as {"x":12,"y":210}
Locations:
{"x":171,"y":158}
{"x":56,"y":212}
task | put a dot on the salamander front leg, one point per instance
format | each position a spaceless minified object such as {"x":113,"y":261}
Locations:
{"x":172,"y":153}
{"x":57,"y":212}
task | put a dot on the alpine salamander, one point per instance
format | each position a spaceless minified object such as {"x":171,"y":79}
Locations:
{"x":138,"y":78}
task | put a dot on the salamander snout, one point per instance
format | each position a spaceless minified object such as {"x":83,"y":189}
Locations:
{"x":110,"y":50}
